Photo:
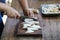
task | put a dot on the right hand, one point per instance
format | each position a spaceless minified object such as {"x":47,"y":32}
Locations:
{"x":12,"y":13}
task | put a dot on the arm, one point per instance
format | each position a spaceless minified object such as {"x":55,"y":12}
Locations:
{"x":12,"y":13}
{"x":24,"y":5}
{"x":4,"y":7}
{"x":27,"y":11}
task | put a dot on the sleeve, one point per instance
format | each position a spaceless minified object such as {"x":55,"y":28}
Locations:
{"x":3,"y":1}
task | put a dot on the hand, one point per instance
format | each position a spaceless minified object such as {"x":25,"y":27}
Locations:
{"x":12,"y":13}
{"x":30,"y":12}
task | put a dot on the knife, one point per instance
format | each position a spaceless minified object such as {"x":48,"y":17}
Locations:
{"x":22,"y":18}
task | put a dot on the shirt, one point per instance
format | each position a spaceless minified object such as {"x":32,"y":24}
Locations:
{"x":3,"y":1}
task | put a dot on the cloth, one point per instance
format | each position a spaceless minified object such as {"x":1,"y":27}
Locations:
{"x":1,"y":23}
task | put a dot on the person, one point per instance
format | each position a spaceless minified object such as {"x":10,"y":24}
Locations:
{"x":12,"y":13}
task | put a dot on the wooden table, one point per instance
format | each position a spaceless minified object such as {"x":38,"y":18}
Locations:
{"x":50,"y":29}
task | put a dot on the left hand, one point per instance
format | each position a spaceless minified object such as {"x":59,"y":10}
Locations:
{"x":30,"y":12}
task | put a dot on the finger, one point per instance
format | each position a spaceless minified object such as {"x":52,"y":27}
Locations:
{"x":31,"y":14}
{"x":17,"y":16}
{"x":11,"y":16}
{"x":28,"y":13}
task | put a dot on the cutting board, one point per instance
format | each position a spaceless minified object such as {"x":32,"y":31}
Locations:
{"x":21,"y":32}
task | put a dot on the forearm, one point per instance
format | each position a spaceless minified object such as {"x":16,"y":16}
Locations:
{"x":24,"y":4}
{"x":4,"y":7}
